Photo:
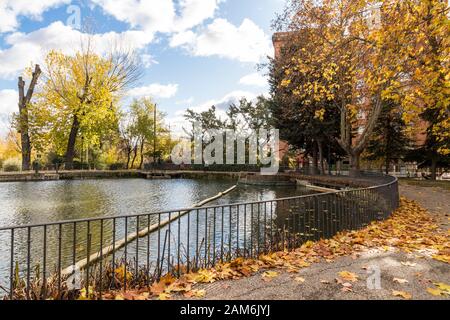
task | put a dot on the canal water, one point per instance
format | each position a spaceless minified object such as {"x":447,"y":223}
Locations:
{"x":24,"y":203}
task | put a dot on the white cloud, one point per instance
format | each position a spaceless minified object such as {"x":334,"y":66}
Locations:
{"x":187,"y":101}
{"x":223,"y":103}
{"x":194,"y":12}
{"x":11,"y":10}
{"x":154,"y":90}
{"x":246,"y":43}
{"x":32,"y":47}
{"x":149,"y":15}
{"x":148,"y":60}
{"x":254,"y":79}
{"x":160,"y":15}
{"x":9,"y":100}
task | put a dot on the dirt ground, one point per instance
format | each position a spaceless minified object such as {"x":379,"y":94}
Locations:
{"x":376,"y":269}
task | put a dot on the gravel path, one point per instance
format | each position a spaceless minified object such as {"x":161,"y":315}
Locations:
{"x":419,"y":271}
{"x":320,"y":280}
{"x":435,"y":200}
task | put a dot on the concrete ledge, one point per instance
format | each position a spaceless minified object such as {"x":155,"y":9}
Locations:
{"x":260,"y":180}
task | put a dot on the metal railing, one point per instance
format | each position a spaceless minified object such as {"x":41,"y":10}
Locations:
{"x":56,"y":259}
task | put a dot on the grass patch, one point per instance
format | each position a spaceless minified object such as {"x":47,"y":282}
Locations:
{"x":444,"y":184}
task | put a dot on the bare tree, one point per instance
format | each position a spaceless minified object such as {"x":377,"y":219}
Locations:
{"x":23,"y":126}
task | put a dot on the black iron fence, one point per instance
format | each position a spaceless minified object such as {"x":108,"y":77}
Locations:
{"x":55,"y":260}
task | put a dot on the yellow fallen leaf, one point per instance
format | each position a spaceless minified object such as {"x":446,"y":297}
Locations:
{"x":202,"y":276}
{"x":195,"y":293}
{"x":348,"y":276}
{"x":435,"y":292}
{"x":269,"y":275}
{"x":299,"y":279}
{"x":164,"y":296}
{"x":441,"y":257}
{"x":443,"y":287}
{"x":403,"y":294}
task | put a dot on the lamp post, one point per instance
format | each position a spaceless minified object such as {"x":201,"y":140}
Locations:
{"x":82,"y":148}
{"x":154,"y":136}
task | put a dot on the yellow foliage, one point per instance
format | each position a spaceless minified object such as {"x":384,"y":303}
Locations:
{"x":8,"y":147}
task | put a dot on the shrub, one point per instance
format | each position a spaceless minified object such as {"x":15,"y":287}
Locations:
{"x":116,"y":166}
{"x":11,"y":165}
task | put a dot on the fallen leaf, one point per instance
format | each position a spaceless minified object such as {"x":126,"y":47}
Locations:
{"x":409,"y":264}
{"x":157,"y":288}
{"x":347,"y":287}
{"x":269,"y":275}
{"x":195,"y":293}
{"x":348,"y":276}
{"x":401,"y":281}
{"x":403,"y":294}
{"x":441,"y":257}
{"x":443,"y":287}
{"x":435,"y":291}
{"x":299,"y":279}
{"x":164,"y":296}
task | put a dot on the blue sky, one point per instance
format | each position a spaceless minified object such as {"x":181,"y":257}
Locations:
{"x":195,"y":53}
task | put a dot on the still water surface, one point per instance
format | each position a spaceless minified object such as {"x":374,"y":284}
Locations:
{"x":41,"y":202}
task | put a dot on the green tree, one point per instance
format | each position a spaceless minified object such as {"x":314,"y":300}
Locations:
{"x":145,"y":131}
{"x":389,"y":141}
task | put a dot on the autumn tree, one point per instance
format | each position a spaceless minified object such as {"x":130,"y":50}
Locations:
{"x":422,"y":30}
{"x":82,"y":92}
{"x":9,"y":146}
{"x":147,"y":127}
{"x":138,"y":131}
{"x":128,"y":138}
{"x":344,"y":55}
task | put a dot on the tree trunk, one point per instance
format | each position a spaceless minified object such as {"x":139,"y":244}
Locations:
{"x":134,"y":157}
{"x":387,"y":163}
{"x":70,"y":154}
{"x":315,"y":159}
{"x":354,"y":165}
{"x":142,"y":154}
{"x":345,"y":140}
{"x":433,"y":167}
{"x":128,"y":157}
{"x":23,"y":126}
{"x":321,"y":159}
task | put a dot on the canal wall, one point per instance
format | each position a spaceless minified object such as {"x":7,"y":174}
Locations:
{"x":69,"y":175}
{"x":115,"y":174}
{"x":287,"y":178}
